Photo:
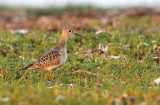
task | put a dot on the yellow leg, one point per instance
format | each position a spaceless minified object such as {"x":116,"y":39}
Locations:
{"x":51,"y":76}
{"x":46,"y":76}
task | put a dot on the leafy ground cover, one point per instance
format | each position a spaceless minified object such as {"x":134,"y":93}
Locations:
{"x":123,"y":58}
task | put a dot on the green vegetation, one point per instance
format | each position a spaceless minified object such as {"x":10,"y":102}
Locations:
{"x":125,"y":80}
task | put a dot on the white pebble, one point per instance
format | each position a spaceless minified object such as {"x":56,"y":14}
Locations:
{"x":157,"y":81}
{"x":101,"y":31}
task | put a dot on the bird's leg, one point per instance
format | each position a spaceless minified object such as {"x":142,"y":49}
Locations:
{"x":51,"y":76}
{"x":46,"y":76}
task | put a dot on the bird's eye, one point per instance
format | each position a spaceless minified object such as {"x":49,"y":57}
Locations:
{"x":70,"y":31}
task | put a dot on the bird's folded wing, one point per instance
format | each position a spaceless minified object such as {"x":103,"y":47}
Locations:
{"x":52,"y":58}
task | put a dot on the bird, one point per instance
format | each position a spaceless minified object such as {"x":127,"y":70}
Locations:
{"x":55,"y":57}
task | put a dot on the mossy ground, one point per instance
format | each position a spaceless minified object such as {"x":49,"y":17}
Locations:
{"x":126,"y":80}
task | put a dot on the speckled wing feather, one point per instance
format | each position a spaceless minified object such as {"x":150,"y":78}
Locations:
{"x":52,"y":58}
{"x":49,"y":59}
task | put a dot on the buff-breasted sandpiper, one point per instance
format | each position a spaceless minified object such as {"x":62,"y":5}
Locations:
{"x":54,"y":58}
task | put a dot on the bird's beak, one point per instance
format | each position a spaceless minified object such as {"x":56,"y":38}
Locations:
{"x":76,"y":34}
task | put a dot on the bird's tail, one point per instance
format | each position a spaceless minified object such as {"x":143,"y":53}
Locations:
{"x":27,"y":68}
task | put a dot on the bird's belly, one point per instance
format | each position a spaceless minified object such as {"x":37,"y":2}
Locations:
{"x":63,"y":60}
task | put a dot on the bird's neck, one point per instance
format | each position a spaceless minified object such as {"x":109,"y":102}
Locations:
{"x":63,"y":41}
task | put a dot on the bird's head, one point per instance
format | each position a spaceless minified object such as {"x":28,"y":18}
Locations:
{"x":67,"y":32}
